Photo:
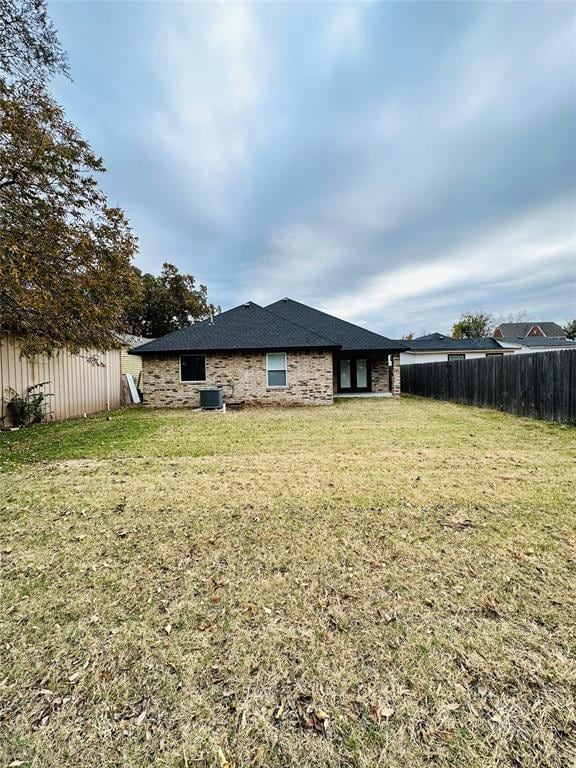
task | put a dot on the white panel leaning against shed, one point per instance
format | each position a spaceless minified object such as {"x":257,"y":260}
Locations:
{"x":286,"y":353}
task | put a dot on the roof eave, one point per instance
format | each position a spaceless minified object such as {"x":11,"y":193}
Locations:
{"x":374,"y":350}
{"x":227,"y":350}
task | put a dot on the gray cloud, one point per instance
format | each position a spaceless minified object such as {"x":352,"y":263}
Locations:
{"x":399,"y":163}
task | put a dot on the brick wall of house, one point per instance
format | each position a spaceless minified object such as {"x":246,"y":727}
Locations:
{"x":396,"y":374}
{"x":380,"y":377}
{"x":243,"y":377}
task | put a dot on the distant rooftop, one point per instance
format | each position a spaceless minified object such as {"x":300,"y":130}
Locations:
{"x":437,"y":342}
{"x":521,"y":330}
{"x":541,"y":341}
{"x":130,"y":340}
{"x":431,"y":336}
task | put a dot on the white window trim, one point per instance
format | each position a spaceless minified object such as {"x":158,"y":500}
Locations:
{"x":277,"y":386}
{"x":192,"y":381}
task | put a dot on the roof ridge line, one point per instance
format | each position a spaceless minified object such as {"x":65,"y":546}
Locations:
{"x":333,"y":317}
{"x":302,"y":327}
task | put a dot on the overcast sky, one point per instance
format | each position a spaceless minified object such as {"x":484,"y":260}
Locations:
{"x":396,"y":164}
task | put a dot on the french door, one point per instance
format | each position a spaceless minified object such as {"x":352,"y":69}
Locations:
{"x":354,"y":374}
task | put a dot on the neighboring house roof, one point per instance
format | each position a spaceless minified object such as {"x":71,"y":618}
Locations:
{"x":431,"y":336}
{"x":247,"y":327}
{"x":129,"y":340}
{"x":539,"y":341}
{"x":446,"y":344}
{"x":520,"y":330}
{"x":350,"y":337}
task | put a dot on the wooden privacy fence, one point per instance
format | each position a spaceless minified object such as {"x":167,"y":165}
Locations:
{"x":85,"y":383}
{"x":540,"y":384}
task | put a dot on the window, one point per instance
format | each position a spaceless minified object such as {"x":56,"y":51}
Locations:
{"x":456,"y":357}
{"x":494,"y":354}
{"x":192,"y":368}
{"x":276,"y":369}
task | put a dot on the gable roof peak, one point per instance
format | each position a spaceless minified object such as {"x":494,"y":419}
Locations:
{"x":435,"y":335}
{"x":521,"y":329}
{"x":345,"y":334}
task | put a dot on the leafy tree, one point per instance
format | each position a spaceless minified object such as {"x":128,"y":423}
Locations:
{"x":29,"y":47}
{"x":570,"y":329}
{"x":168,"y":302}
{"x":473,"y":325}
{"x":65,"y":254}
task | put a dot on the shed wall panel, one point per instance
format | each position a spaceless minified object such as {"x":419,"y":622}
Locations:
{"x":87,"y":382}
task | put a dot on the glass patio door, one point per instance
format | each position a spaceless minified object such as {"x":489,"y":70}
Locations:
{"x":361,"y":373}
{"x":345,"y":374}
{"x":354,"y":374}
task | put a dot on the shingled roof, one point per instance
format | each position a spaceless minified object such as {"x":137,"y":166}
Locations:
{"x":540,"y":341}
{"x":437,"y":336}
{"x":286,"y":324}
{"x":520,"y":330}
{"x":247,"y":327}
{"x":446,"y":344}
{"x":350,"y":337}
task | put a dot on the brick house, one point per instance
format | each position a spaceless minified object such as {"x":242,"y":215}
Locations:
{"x":284,"y":354}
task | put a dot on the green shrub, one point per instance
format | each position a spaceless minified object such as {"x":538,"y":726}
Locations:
{"x":29,"y":408}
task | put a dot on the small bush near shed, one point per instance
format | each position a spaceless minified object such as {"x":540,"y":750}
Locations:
{"x":29,"y":408}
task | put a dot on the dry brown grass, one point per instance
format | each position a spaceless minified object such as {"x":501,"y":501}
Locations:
{"x":380,"y":583}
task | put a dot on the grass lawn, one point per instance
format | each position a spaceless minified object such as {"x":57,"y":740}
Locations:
{"x":377,"y":584}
